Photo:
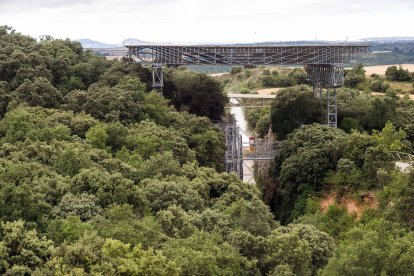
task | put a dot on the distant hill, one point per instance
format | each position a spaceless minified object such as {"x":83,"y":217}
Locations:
{"x":89,"y":43}
{"x":389,"y":39}
{"x":133,"y":41}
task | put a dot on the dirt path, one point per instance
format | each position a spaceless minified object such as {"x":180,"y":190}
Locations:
{"x":215,"y":75}
{"x":267,"y":91}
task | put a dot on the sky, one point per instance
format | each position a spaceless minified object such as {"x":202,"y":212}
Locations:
{"x":111,"y":21}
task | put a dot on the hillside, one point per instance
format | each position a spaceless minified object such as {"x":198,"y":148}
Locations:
{"x":100,"y":175}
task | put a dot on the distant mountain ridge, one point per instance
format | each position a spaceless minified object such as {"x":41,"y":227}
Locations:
{"x":89,"y":43}
{"x":390,"y":38}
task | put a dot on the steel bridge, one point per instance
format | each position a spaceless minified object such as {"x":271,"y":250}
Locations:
{"x":322,"y":63}
{"x":176,"y":55}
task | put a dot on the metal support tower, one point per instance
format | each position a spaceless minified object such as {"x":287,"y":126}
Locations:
{"x":332,"y":108}
{"x":157,"y":77}
{"x":327,"y":76}
{"x":234,"y":148}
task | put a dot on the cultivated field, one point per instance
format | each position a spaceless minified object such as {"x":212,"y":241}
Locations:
{"x":380,"y":69}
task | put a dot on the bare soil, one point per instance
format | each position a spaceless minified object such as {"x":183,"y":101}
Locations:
{"x":352,"y":206}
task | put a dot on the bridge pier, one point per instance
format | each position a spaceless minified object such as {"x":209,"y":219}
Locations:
{"x":330,"y":77}
{"x":157,"y":77}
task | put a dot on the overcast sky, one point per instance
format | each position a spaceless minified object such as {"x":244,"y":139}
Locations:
{"x":110,"y":21}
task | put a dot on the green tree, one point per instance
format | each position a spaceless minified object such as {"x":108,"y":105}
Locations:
{"x":302,"y":247}
{"x":376,"y":248}
{"x":300,"y":166}
{"x":292,"y":108}
{"x":92,"y":254}
{"x":162,"y":193}
{"x":122,"y":223}
{"x":205,"y":254}
{"x":39,"y":92}
{"x":84,"y":206}
{"x":197,"y":93}
{"x":21,"y":250}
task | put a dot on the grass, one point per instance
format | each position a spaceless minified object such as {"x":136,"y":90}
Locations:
{"x":401,"y":86}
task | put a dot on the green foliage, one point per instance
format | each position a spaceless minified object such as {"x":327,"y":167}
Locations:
{"x":355,"y":76}
{"x":292,"y":108}
{"x":196,"y":93}
{"x":335,"y":221}
{"x":161,"y":194}
{"x":122,"y":223}
{"x":377,"y":248}
{"x":379,"y":85}
{"x":236,"y":70}
{"x":348,"y":124}
{"x":68,"y":229}
{"x":390,"y":137}
{"x":397,"y":200}
{"x":301,"y":164}
{"x":398,"y":74}
{"x":113,"y":171}
{"x":83,"y":206}
{"x":310,"y":249}
{"x":21,"y":250}
{"x":205,"y":254}
{"x":98,"y":136}
{"x":95,"y":255}
{"x":108,"y":188}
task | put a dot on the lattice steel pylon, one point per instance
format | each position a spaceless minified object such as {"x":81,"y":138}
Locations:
{"x":157,"y":77}
{"x":234,"y":149}
{"x":330,"y":77}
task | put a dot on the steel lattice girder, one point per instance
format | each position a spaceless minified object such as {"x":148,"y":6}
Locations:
{"x":247,"y":55}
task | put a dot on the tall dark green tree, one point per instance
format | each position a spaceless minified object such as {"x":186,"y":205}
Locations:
{"x":292,"y":108}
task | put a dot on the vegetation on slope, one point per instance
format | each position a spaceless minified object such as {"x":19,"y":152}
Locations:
{"x":98,"y":175}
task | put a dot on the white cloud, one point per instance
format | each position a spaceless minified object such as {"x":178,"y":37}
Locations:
{"x":212,"y":20}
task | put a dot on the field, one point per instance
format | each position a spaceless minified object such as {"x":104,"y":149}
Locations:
{"x":380,"y":69}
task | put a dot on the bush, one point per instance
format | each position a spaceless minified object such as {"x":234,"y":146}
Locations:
{"x":379,"y":86}
{"x":398,"y":74}
{"x":236,"y":70}
{"x":268,"y":81}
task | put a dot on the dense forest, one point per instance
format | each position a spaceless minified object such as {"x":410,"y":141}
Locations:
{"x":396,"y":52}
{"x":101,"y":176}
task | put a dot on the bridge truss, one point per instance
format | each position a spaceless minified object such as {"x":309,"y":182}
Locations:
{"x":323,"y":64}
{"x":176,"y":55}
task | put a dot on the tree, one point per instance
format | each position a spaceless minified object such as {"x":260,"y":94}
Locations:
{"x":292,"y":108}
{"x":84,"y":206}
{"x":302,"y":247}
{"x":197,"y":93}
{"x":121,"y":222}
{"x":301,"y":163}
{"x":92,"y":254}
{"x":39,"y":92}
{"x":21,"y":250}
{"x":108,"y":188}
{"x":376,"y":248}
{"x":355,"y":76}
{"x":398,"y":74}
{"x":114,"y":104}
{"x":398,"y":196}
{"x":205,"y":254}
{"x":162,"y":193}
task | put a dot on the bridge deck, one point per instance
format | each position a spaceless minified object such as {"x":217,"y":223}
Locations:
{"x":247,"y":55}
{"x":250,"y":96}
